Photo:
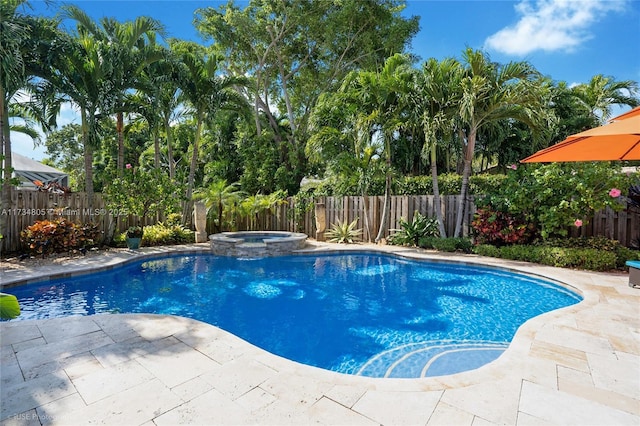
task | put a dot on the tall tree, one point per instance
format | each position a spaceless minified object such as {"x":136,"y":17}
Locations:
{"x":131,"y":47}
{"x":490,"y":92}
{"x":434,"y":98}
{"x":295,"y":50}
{"x":24,"y":46}
{"x":601,"y":93}
{"x":79,"y":76}
{"x":206,"y":91}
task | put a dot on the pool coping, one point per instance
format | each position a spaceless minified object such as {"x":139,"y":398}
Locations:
{"x":556,"y":356}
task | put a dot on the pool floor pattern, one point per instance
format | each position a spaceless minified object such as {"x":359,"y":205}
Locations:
{"x":431,"y":358}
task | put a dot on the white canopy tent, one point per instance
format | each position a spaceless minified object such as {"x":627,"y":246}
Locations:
{"x":28,"y":171}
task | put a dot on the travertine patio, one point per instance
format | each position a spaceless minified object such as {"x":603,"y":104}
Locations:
{"x":578,"y":365}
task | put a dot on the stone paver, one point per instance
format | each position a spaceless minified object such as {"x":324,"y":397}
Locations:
{"x":578,"y":365}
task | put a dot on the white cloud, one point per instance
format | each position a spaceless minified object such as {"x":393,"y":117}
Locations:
{"x":551,"y":25}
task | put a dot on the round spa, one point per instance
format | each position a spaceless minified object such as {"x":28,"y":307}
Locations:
{"x":256,"y":243}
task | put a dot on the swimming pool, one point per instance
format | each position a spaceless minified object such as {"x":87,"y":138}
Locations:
{"x":359,"y":313}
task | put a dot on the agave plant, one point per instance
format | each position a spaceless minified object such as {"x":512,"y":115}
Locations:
{"x":344,"y":232}
{"x":411,"y":232}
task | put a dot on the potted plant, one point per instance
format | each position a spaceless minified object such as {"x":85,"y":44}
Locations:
{"x":133,"y":237}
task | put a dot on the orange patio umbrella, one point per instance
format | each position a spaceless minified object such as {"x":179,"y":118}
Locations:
{"x":634,"y":112}
{"x":618,"y":140}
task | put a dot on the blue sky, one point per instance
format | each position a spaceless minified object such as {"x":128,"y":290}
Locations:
{"x":567,"y":40}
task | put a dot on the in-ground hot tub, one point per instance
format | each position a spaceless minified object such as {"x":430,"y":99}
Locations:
{"x":256,"y":243}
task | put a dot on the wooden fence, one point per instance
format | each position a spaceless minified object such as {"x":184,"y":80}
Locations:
{"x":29,"y":206}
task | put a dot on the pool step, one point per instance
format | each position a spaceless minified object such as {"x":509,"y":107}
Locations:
{"x":432,"y":358}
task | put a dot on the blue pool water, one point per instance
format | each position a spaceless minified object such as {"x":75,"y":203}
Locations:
{"x":361,"y":313}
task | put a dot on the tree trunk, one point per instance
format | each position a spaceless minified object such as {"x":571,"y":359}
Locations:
{"x":466,"y":172}
{"x":120,"y":132}
{"x":186,"y":214}
{"x":156,"y":147}
{"x":88,"y":157}
{"x":367,"y":226}
{"x":384,"y":223}
{"x":436,"y":193}
{"x":7,"y":162}
{"x":167,"y":129}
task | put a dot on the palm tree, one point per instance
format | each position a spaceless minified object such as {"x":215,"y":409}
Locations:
{"x":341,"y":141}
{"x":490,"y":92}
{"x":217,"y":197}
{"x":79,"y":76}
{"x":24,"y":48}
{"x":131,"y":47}
{"x":381,"y":96}
{"x":601,"y":93}
{"x":156,"y":99}
{"x":206,"y":91}
{"x":15,"y":30}
{"x":434,"y":99}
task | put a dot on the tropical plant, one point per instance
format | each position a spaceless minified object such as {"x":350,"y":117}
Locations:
{"x":134,"y":232}
{"x":342,"y":232}
{"x":556,"y":196}
{"x":380,"y":99}
{"x":9,"y":306}
{"x":491,"y":92}
{"x":207,"y":92}
{"x":499,"y":228}
{"x":434,"y":98}
{"x":59,"y":235}
{"x":218,"y":197}
{"x":601,"y":93}
{"x":412,"y":232}
{"x":126,"y":54}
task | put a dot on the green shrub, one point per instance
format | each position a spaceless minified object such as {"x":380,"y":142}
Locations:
{"x":581,"y":258}
{"x":453,"y":244}
{"x":621,"y":252}
{"x":58,"y":236}
{"x":487,"y":250}
{"x":411,"y":232}
{"x":162,"y":234}
{"x":446,"y":244}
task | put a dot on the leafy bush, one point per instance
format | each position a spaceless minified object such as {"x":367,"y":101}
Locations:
{"x":582,"y":258}
{"x":559,"y":195}
{"x":496,"y":227}
{"x":162,"y":235}
{"x":411,"y":232}
{"x":447,"y":244}
{"x":448,"y":184}
{"x":142,"y":192}
{"x":344,"y":232}
{"x":59,"y":235}
{"x":621,"y":252}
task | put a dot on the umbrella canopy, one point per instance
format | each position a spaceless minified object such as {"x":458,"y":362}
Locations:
{"x":619,"y":140}
{"x":633,"y":113}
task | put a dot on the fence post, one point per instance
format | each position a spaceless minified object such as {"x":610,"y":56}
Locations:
{"x":320,"y":211}
{"x":200,"y":221}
